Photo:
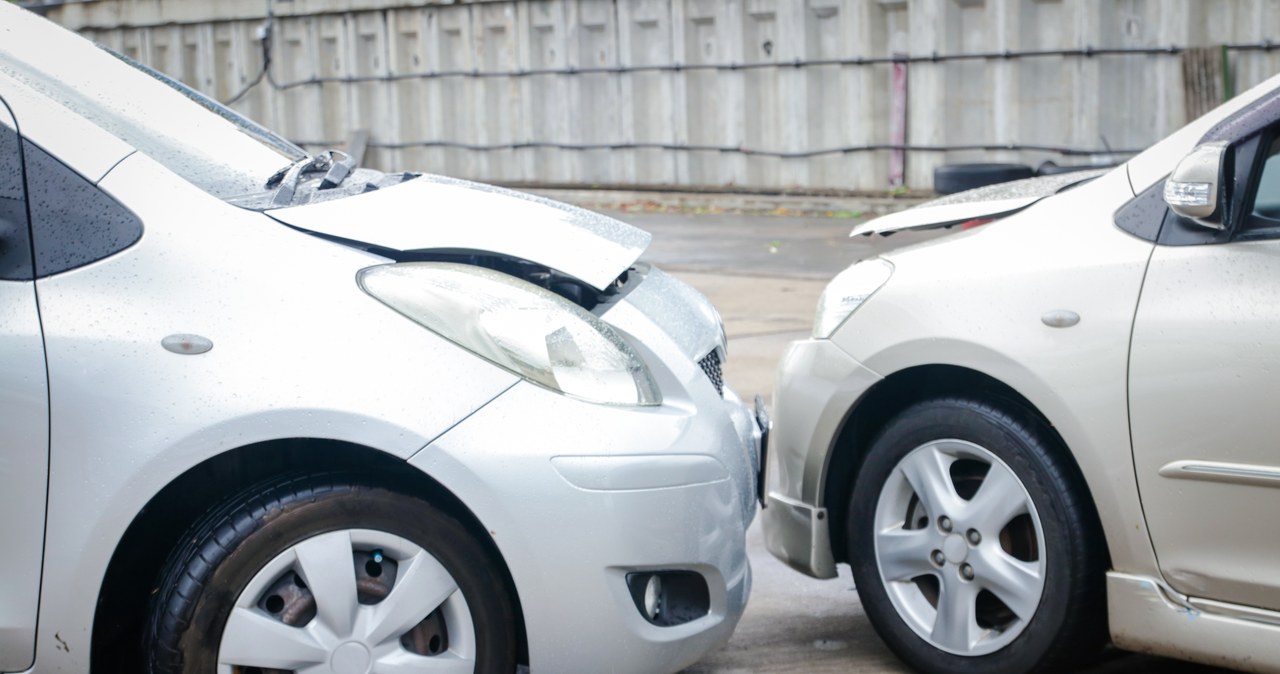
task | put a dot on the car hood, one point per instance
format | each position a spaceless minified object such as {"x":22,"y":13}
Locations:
{"x":445,"y":214}
{"x":985,"y":203}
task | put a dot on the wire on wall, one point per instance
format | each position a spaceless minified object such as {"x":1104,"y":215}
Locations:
{"x":265,"y":74}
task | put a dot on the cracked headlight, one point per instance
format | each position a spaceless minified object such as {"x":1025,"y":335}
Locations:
{"x":846,"y":292}
{"x":516,"y":325}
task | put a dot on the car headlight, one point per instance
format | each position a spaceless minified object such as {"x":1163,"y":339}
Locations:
{"x":846,"y":292}
{"x":530,"y":331}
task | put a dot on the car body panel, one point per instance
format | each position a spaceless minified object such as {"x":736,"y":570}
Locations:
{"x":1147,"y":616}
{"x":574,"y":545}
{"x":571,"y":576}
{"x":79,"y":144}
{"x":1075,"y":376}
{"x":1008,"y":341}
{"x":1202,"y":394}
{"x":928,"y":216}
{"x":24,"y":435}
{"x":984,"y":203}
{"x":438,"y":213}
{"x":23,"y":471}
{"x":687,"y":316}
{"x":822,"y":383}
{"x":1179,"y":337}
{"x":298,"y":351}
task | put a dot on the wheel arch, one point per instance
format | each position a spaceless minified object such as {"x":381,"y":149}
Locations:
{"x":895,"y":393}
{"x":140,"y":554}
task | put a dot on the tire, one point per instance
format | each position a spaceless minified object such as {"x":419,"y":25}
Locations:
{"x":1027,"y":595}
{"x":952,"y":178}
{"x":241,"y":588}
{"x":1052,"y":168}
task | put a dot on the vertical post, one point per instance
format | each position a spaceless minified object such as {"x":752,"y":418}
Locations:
{"x":898,"y":123}
{"x":1228,"y":89}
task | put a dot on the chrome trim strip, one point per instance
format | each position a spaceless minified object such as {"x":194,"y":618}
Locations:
{"x":1158,"y":588}
{"x":1215,"y":471}
{"x":1237,"y":611}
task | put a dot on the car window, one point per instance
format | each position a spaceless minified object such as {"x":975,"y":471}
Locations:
{"x":1266,"y":199}
{"x":15,"y":242}
{"x":73,"y":222}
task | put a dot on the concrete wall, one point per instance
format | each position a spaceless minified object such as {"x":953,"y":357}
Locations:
{"x":1117,"y":101}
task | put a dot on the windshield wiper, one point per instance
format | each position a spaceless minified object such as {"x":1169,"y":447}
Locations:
{"x":336,"y":165}
{"x":339,"y":169}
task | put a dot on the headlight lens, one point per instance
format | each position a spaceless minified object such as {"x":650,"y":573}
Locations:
{"x":846,"y":292}
{"x":528,"y":330}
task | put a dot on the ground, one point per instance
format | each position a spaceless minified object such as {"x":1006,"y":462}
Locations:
{"x":764,"y":274}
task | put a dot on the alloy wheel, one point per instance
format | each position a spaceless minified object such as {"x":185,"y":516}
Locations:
{"x":960,"y":547}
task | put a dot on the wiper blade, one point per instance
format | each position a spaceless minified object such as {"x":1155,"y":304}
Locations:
{"x":289,"y":176}
{"x":336,"y":165}
{"x":338,"y":170}
{"x":278,"y":177}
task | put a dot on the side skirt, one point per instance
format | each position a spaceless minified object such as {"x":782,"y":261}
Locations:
{"x":1150,"y":617}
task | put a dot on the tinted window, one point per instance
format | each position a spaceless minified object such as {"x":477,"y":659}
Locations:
{"x":73,"y":222}
{"x":1266,"y":199}
{"x":15,"y":245}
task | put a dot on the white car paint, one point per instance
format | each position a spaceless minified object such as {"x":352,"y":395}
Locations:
{"x":434,"y":213}
{"x":1161,"y":391}
{"x":300,"y":351}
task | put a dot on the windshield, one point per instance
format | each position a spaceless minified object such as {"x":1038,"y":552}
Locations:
{"x":208,"y":144}
{"x":244,"y":124}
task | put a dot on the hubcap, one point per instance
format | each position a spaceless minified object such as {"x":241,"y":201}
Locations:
{"x":351,"y":658}
{"x":955,"y":549}
{"x":960,"y":547}
{"x":349,"y":602}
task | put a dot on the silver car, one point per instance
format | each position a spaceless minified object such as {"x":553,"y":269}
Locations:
{"x":265,"y":411}
{"x":1029,"y":436}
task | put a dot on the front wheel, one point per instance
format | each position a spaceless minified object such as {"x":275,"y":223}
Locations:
{"x":324,"y":574}
{"x":971,"y":548}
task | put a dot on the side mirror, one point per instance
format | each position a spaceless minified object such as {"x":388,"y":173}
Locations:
{"x":1194,"y":188}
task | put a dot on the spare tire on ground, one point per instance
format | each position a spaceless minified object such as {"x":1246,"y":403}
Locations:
{"x":1052,"y":168}
{"x":952,"y":178}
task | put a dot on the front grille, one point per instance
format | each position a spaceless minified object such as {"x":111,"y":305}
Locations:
{"x":710,"y":364}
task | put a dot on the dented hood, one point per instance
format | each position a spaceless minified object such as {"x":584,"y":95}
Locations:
{"x":985,"y":203}
{"x":445,"y":214}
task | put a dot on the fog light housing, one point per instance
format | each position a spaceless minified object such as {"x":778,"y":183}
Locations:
{"x":652,"y":597}
{"x":669,"y":598}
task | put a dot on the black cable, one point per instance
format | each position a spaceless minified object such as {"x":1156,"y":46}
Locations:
{"x":729,"y":149}
{"x":1086,"y":52}
{"x":265,"y":71}
{"x":266,"y":63}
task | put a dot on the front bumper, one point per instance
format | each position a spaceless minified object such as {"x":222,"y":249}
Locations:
{"x":818,"y":385}
{"x":576,"y":496}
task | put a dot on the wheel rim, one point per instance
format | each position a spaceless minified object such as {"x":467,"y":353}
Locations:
{"x":355,"y":601}
{"x":959,"y":547}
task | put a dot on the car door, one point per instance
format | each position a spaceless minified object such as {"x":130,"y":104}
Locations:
{"x":1205,"y":394}
{"x":24,"y":415}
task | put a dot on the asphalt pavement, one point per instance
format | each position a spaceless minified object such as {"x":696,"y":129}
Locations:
{"x":764,"y":274}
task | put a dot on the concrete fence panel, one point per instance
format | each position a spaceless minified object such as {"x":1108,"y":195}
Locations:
{"x":750,"y":94}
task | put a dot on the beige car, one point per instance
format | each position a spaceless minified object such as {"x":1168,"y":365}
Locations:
{"x":1063,"y":427}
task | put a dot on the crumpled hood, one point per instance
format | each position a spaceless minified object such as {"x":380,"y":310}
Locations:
{"x":984,"y":203}
{"x":438,"y":213}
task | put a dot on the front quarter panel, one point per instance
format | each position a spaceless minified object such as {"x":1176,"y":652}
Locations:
{"x":299,"y":351}
{"x":976,"y":300}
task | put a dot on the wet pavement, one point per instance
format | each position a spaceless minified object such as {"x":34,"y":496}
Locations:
{"x":764,"y":274}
